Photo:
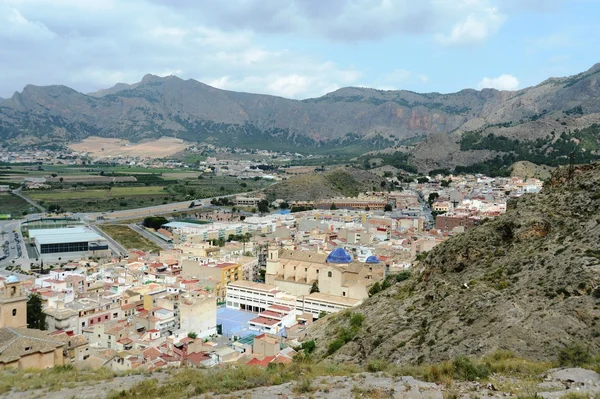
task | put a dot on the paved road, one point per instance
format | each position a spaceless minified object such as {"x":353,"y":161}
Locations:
{"x":115,"y":247}
{"x":7,"y":232}
{"x":17,"y":192}
{"x":150,"y":236}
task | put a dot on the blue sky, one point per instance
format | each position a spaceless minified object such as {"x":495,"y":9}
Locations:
{"x":297,"y":48}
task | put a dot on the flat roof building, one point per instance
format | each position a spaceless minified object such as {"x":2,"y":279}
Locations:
{"x":70,"y":240}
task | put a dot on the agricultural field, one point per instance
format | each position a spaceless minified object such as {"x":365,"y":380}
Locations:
{"x":129,"y":238}
{"x":13,"y":205}
{"x":147,"y":190}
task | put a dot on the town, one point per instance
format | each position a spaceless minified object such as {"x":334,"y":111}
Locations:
{"x":236,"y":280}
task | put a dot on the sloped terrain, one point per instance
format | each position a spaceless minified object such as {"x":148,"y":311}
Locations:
{"x":527,"y":281}
{"x":347,"y":120}
{"x":334,"y":183}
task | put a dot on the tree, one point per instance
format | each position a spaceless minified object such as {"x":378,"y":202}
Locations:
{"x":332,"y":207}
{"x":375,"y":289}
{"x":263,"y":206}
{"x":388,"y":208}
{"x":192,"y":204}
{"x":445,"y":183}
{"x":61,"y":179}
{"x":314,"y":288}
{"x":383,"y":184}
{"x":154,"y":222}
{"x":36,"y":318}
{"x":422,"y":180}
{"x":284,"y":205}
{"x":192,"y":335}
{"x":432,"y":198}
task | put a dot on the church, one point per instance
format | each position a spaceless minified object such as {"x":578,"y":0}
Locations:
{"x":336,"y":273}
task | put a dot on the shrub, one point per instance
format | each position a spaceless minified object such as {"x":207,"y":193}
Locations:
{"x":304,"y":385}
{"x":309,"y":346}
{"x":574,"y":355}
{"x":464,"y":369}
{"x":377,"y":365}
{"x":334,"y":346}
{"x":402,"y":276}
{"x":356,"y":320}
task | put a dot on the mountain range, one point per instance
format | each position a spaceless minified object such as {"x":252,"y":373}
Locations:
{"x":354,"y":118}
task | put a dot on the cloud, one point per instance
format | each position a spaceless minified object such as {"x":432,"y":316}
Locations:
{"x":475,"y":29}
{"x":14,"y":26}
{"x":502,"y":82}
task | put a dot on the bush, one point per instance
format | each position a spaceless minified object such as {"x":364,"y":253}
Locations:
{"x":574,"y":355}
{"x":377,"y":365}
{"x":402,"y":276}
{"x":464,"y":369}
{"x":335,"y":345}
{"x":356,"y":320}
{"x":309,"y":346}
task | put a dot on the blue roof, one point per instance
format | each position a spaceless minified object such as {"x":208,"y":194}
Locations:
{"x":339,"y":255}
{"x":372,"y":259}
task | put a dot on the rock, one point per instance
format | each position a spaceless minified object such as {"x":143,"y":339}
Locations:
{"x":577,"y":376}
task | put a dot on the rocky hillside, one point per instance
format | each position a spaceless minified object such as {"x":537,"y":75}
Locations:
{"x":333,"y":183}
{"x":349,"y":119}
{"x":528,"y":282}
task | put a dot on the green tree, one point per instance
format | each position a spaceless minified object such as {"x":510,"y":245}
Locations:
{"x":263,"y":206}
{"x":432,"y":198}
{"x":332,"y":207}
{"x":388,"y":208}
{"x":154,"y":222}
{"x":314,"y":288}
{"x":192,"y":335}
{"x":36,"y":318}
{"x":375,"y":288}
{"x":284,"y":205}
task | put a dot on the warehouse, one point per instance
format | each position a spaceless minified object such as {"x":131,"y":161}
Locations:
{"x":70,"y":241}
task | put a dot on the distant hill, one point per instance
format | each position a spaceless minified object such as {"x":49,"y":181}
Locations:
{"x":334,"y":183}
{"x":527,"y":281}
{"x":348,"y":120}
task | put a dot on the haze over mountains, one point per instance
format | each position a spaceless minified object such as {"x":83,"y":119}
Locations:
{"x":187,"y":109}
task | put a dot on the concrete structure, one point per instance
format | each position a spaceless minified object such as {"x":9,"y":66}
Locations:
{"x":220,"y":273}
{"x":198,"y":313}
{"x":69,"y":243}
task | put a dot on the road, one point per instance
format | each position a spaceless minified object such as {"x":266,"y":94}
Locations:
{"x":8,"y":229}
{"x":17,"y":192}
{"x":151,"y":237}
{"x":114,"y":246}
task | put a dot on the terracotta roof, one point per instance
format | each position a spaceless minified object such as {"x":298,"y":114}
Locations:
{"x":197,"y":357}
{"x":262,"y":363}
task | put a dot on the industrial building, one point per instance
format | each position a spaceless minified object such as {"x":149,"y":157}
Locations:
{"x":70,"y":241}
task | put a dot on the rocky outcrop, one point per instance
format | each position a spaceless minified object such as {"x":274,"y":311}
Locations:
{"x":527,"y":281}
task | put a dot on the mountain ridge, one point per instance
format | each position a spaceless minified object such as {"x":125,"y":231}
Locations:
{"x":376,"y":119}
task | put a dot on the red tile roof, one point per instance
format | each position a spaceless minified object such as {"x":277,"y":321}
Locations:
{"x":262,"y":363}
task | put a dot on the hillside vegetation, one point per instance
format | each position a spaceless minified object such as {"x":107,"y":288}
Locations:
{"x":349,"y":120}
{"x":334,"y":183}
{"x":527,"y":282}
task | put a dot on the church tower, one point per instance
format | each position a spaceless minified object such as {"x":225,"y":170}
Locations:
{"x":273,"y":265}
{"x":13,"y":304}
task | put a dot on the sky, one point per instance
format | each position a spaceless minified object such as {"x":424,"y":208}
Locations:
{"x":297,"y":48}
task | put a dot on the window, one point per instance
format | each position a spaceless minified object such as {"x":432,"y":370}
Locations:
{"x":329,"y":274}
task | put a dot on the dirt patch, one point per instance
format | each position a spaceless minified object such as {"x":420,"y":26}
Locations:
{"x":105,"y":147}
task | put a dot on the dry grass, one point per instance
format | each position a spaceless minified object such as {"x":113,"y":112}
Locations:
{"x":129,"y":238}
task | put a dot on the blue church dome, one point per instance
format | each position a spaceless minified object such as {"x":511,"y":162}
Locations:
{"x":339,"y":255}
{"x":372,"y":259}
{"x":12,"y":279}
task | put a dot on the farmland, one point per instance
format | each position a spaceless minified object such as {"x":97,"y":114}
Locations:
{"x":129,"y":238}
{"x":146,"y":190}
{"x":13,"y":205}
